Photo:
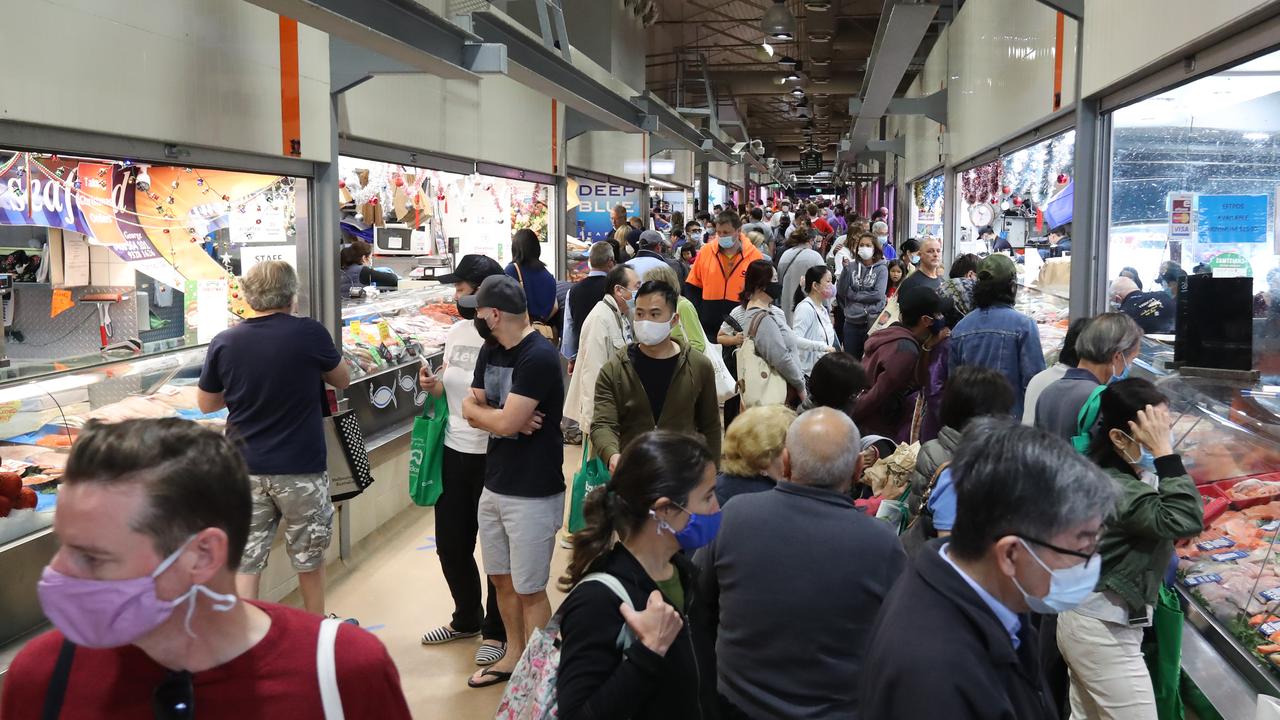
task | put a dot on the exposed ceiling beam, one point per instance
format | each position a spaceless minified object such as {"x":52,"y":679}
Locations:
{"x":903,"y":29}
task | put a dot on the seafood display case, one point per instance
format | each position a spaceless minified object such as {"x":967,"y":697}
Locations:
{"x":39,"y":422}
{"x":1228,"y":435}
{"x":384,"y":341}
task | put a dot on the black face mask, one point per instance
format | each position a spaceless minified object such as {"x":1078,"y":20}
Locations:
{"x":466,"y":313}
{"x":774,"y":289}
{"x":482,"y":327}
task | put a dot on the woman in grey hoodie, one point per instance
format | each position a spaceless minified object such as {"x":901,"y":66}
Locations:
{"x":861,"y":292}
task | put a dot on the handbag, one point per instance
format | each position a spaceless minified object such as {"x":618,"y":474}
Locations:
{"x":758,"y":383}
{"x":543,"y":328}
{"x":347,"y":457}
{"x":426,"y":453}
{"x":592,"y":474}
{"x":890,"y":315}
{"x":921,"y":530}
{"x":726,"y":385}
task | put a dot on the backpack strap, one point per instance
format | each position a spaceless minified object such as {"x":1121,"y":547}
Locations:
{"x":57,"y":691}
{"x":327,"y":669}
{"x":1086,"y":419}
{"x":625,"y":636}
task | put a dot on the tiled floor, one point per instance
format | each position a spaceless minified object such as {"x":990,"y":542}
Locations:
{"x":397,"y":592}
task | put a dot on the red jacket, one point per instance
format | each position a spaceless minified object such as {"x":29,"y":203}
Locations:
{"x":892,"y":359}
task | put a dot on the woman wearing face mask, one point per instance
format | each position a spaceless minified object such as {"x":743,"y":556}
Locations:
{"x":463,"y":477}
{"x":659,"y":501}
{"x":815,"y":333}
{"x":774,"y":340}
{"x":862,"y":293}
{"x":1101,"y":638}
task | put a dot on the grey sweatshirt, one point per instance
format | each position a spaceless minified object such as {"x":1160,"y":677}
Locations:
{"x":776,"y":342}
{"x":861,"y":291}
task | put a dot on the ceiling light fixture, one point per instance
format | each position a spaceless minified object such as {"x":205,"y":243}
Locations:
{"x":786,"y":62}
{"x":820,"y":80}
{"x":778,"y":22}
{"x":820,"y":35}
{"x":797,"y":92}
{"x":767,"y":48}
{"x":817,"y":5}
{"x":821,"y":62}
{"x":792,"y":77}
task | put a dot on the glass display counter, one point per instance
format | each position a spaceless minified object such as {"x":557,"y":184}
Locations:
{"x":384,"y":341}
{"x":1051,"y":313}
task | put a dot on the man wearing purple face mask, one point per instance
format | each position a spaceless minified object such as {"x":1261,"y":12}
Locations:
{"x":152,"y":519}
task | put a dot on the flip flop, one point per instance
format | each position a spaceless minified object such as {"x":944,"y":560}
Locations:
{"x":497,"y":675}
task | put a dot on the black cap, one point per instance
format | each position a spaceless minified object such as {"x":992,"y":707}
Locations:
{"x":917,"y":301}
{"x":472,"y":269}
{"x":499,"y":292}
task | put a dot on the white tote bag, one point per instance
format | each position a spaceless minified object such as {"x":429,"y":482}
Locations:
{"x":726,"y":386}
{"x":758,"y":383}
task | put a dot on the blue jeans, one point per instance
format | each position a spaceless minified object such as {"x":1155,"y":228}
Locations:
{"x":855,"y":338}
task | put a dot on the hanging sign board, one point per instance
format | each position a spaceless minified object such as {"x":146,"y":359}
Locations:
{"x":252,"y":255}
{"x":1181,"y":217}
{"x":596,"y":201}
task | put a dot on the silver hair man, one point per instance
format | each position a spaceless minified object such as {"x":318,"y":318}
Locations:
{"x":270,"y":285}
{"x":822,"y":450}
{"x":1106,"y":335}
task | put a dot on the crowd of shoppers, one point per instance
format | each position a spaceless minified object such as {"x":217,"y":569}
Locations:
{"x":730,"y":567}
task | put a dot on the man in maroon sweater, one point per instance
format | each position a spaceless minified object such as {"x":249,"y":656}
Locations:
{"x":152,"y":519}
{"x":896,"y":361}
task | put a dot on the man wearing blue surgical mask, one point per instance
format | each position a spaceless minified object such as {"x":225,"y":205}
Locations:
{"x":1029,"y":513}
{"x":717,"y":276}
{"x":800,"y":534}
{"x":1106,"y":349}
{"x":152,"y":522}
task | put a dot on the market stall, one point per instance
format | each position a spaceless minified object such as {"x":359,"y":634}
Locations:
{"x":127,"y":270}
{"x":927,"y":207}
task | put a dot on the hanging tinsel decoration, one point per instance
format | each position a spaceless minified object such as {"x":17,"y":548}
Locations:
{"x":981,"y":181}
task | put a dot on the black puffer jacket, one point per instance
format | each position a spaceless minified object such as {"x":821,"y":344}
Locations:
{"x":596,"y":680}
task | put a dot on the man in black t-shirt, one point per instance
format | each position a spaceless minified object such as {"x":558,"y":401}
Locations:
{"x":1153,"y":311}
{"x":517,"y":395}
{"x":269,"y":372}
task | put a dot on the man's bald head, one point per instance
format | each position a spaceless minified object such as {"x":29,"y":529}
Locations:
{"x":823,"y":450}
{"x":1121,"y":288}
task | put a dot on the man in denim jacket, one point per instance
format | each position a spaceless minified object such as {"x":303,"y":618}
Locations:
{"x":995,"y":335}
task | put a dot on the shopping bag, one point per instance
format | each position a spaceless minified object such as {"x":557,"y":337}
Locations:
{"x":426,"y":452}
{"x":347,"y":457}
{"x":758,"y":383}
{"x":890,"y":315}
{"x":726,"y":385}
{"x":1164,"y":656}
{"x":591,"y":475}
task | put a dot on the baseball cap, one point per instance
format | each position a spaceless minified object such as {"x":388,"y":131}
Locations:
{"x":472,"y":269}
{"x":997,"y":267}
{"x":499,"y":292}
{"x":652,"y":238}
{"x":916,"y":302}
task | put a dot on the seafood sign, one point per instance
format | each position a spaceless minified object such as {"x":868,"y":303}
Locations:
{"x":382,"y":396}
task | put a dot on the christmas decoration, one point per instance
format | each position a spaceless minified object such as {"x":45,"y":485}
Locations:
{"x":1006,"y":190}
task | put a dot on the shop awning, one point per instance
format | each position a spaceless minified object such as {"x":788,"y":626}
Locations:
{"x":541,"y":68}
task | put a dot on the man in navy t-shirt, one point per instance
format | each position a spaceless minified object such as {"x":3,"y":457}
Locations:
{"x":269,"y":372}
{"x":517,"y":395}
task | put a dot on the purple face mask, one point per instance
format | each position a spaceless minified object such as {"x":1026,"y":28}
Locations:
{"x":113,"y":613}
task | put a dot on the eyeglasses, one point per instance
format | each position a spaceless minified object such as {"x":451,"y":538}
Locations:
{"x":1073,"y":553}
{"x":174,"y":698}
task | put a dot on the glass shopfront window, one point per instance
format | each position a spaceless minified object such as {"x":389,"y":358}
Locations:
{"x":927,"y":208}
{"x":103,"y":260}
{"x":1195,"y":177}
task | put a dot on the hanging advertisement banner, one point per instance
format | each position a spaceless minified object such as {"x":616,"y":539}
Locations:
{"x":595,"y":202}
{"x":1181,"y":217}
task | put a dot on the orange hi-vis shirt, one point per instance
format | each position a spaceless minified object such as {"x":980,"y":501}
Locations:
{"x":720,"y":277}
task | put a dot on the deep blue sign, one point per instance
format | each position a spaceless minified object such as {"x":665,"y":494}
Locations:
{"x":1233,"y":218}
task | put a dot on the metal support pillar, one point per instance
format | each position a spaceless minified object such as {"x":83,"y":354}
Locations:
{"x":558,"y":226}
{"x":949,"y":208}
{"x":325,"y":232}
{"x":704,"y":185}
{"x":1090,"y":211}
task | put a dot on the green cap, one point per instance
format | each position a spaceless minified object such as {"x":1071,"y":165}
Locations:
{"x":997,"y":267}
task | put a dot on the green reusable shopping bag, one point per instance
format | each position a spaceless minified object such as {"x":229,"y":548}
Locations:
{"x":1164,"y":656}
{"x":592,"y":474}
{"x":426,"y":453}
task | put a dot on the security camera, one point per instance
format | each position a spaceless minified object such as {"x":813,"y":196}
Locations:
{"x":143,"y":181}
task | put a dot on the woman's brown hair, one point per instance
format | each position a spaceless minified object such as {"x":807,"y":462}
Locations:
{"x":657,"y":464}
{"x":354,"y":253}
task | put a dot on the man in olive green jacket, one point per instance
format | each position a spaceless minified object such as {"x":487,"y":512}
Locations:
{"x":656,"y":383}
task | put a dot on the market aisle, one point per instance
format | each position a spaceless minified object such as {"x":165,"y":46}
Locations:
{"x":398,"y":592}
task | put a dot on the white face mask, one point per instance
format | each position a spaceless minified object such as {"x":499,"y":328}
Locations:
{"x":651,"y":332}
{"x":865,"y":252}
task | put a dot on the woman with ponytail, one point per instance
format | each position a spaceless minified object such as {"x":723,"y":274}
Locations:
{"x":636,"y":659}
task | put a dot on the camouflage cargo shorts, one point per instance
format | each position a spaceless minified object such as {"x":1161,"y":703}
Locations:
{"x":303,"y":502}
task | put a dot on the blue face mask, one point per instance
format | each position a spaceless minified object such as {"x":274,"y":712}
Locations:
{"x":1124,"y":374}
{"x":1068,"y":587}
{"x":727,"y":241}
{"x":700,"y":531}
{"x":1146,"y":460}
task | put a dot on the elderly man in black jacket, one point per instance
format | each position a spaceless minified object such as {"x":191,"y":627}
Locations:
{"x":795,"y":579}
{"x":954,"y":639}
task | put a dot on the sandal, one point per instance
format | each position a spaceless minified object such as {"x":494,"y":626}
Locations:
{"x":444,"y":634}
{"x":497,"y":675}
{"x":489,"y":654}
